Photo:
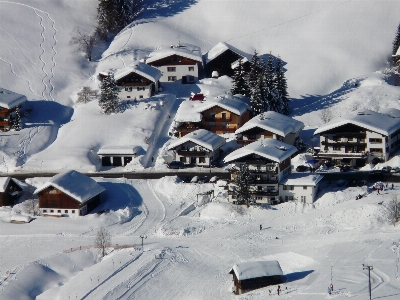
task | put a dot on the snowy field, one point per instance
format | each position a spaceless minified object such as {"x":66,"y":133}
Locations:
{"x":336,"y":55}
{"x":191,"y":246}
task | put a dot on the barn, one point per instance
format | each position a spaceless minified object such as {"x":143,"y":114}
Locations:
{"x":10,"y":189}
{"x":69,"y":194}
{"x":252,"y":275}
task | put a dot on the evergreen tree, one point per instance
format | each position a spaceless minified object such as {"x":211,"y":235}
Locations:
{"x":281,"y":88}
{"x":16,"y":122}
{"x":242,"y":182}
{"x":109,"y":95}
{"x":254,"y":83}
{"x":271,"y":99}
{"x":396,"y":43}
{"x":239,"y":81}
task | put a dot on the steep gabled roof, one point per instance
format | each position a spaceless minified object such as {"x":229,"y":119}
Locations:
{"x":385,"y":122}
{"x":201,"y":137}
{"x":4,"y":181}
{"x":10,"y":99}
{"x":190,"y":111}
{"x":272,"y":149}
{"x":256,"y":269}
{"x":299,"y":179}
{"x":76,"y":185}
{"x":273,"y":122}
{"x":220,"y":48}
{"x":147,"y":71}
{"x":185,"y":50}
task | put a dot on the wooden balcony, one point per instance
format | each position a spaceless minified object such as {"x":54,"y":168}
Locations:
{"x":265,"y":193}
{"x":5,"y":123}
{"x":211,"y":119}
{"x":346,"y":144}
{"x":191,"y":153}
{"x":264,"y":181}
{"x":231,"y":129}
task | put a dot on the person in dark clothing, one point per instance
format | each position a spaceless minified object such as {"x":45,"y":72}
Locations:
{"x":279,"y":289}
{"x":260,"y":227}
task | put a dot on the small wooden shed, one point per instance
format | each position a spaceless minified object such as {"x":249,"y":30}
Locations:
{"x":252,"y":275}
{"x":118,"y":156}
{"x":10,"y":189}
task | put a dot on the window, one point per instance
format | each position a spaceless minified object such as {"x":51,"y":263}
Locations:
{"x":179,"y":59}
{"x":52,"y":210}
{"x":66,"y":211}
{"x":173,"y":58}
{"x":259,"y":198}
{"x":337,"y":148}
{"x":171,"y":69}
{"x":259,"y":188}
{"x":183,"y":159}
{"x":304,"y":187}
{"x":171,"y":78}
{"x":223,"y":116}
{"x":73,"y":211}
{"x":288,"y":187}
{"x":378,"y":150}
{"x":350,"y":139}
{"x":303,"y":198}
{"x":128,"y":97}
{"x":191,"y":68}
{"x":140,"y":88}
{"x":59,"y":211}
{"x":375,"y":141}
{"x":140,"y":96}
{"x":202,"y":160}
{"x":337,"y":138}
{"x":44,"y":210}
{"x":126,"y":89}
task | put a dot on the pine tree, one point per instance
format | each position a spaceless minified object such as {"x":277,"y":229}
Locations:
{"x":242,"y":185}
{"x":271,"y":101}
{"x":254,"y":83}
{"x":239,"y":81}
{"x":281,"y":88}
{"x":109,"y":95}
{"x":396,"y":43}
{"x":16,"y":122}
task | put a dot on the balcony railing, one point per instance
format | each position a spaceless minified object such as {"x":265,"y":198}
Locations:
{"x":210,"y":119}
{"x":224,"y":129}
{"x":263,"y":170}
{"x":264,"y":181}
{"x":191,"y":153}
{"x":265,"y":193}
{"x":355,"y":143}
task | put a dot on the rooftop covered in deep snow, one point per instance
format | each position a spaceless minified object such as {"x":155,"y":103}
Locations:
{"x":5,"y":180}
{"x":10,"y":99}
{"x":385,"y":122}
{"x":185,"y":50}
{"x":190,"y":111}
{"x":74,"y":184}
{"x":201,"y":137}
{"x":256,"y":269}
{"x":272,"y":149}
{"x":220,"y":48}
{"x":147,"y":71}
{"x":302,"y":179}
{"x":274,"y":122}
{"x":119,"y":150}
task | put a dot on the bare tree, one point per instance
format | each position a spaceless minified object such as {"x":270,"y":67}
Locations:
{"x":31,"y":207}
{"x":393,"y":210}
{"x":326,"y":114}
{"x":103,"y":240}
{"x":85,"y":41}
{"x":86,"y":95}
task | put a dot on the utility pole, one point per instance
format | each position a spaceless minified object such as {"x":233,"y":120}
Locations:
{"x":369,"y":268}
{"x":143,"y":237}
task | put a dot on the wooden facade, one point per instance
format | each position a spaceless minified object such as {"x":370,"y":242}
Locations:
{"x":173,"y":60}
{"x":223,"y":63}
{"x":242,"y":286}
{"x":7,"y":198}
{"x":5,"y":118}
{"x":55,"y":199}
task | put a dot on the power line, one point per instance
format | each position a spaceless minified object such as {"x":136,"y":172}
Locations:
{"x":369,"y":268}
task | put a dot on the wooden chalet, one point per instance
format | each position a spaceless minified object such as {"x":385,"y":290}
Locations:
{"x":69,"y":194}
{"x":10,"y":189}
{"x":9,"y":101}
{"x":252,"y":275}
{"x":223,"y":58}
{"x":118,"y":156}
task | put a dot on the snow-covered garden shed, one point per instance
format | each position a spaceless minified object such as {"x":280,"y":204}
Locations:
{"x":269,"y":161}
{"x":360,"y":137}
{"x":222,"y":114}
{"x":200,"y":148}
{"x":270,"y":124}
{"x":137,"y":81}
{"x":223,"y":58}
{"x":117,"y":156}
{"x":9,"y":103}
{"x":69,"y":193}
{"x":177,"y":62}
{"x":10,"y":189}
{"x":252,"y":275}
{"x":301,"y":187}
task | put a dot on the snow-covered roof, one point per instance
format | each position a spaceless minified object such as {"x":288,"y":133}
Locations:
{"x":299,"y":179}
{"x":235,"y":64}
{"x":256,"y":269}
{"x":5,"y":180}
{"x":119,"y":150}
{"x":20,"y":218}
{"x":220,"y":48}
{"x":141,"y":69}
{"x":379,"y":122}
{"x":74,"y":184}
{"x":201,"y":137}
{"x":190,"y":111}
{"x":272,"y":149}
{"x":273,"y":122}
{"x":184,"y":50}
{"x":10,"y":99}
{"x":397,"y":52}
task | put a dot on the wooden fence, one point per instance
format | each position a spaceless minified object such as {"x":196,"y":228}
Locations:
{"x":116,"y":246}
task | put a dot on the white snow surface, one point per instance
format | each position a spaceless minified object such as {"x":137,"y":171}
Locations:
{"x":273,"y":122}
{"x":255,"y":269}
{"x":147,"y":71}
{"x":202,"y":137}
{"x":74,"y":184}
{"x":9,"y":99}
{"x":119,"y":150}
{"x":185,"y":50}
{"x":299,"y":179}
{"x":272,"y":149}
{"x":375,"y":121}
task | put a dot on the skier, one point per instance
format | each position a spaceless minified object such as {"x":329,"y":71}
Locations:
{"x":329,"y":290}
{"x":392,"y":186}
{"x":152,"y":159}
{"x":378,"y":192}
{"x":260,"y":227}
{"x":279,"y":289}
{"x":269,"y":292}
{"x":331,"y":287}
